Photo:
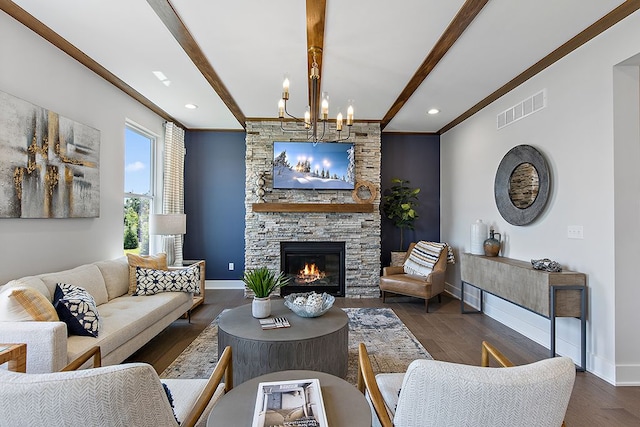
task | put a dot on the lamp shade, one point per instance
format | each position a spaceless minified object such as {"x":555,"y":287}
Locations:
{"x":167,"y":224}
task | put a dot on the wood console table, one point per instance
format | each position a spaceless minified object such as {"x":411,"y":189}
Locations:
{"x":562,"y":294}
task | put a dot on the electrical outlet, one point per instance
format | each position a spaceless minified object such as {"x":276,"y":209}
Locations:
{"x":231,"y":266}
{"x":575,"y":232}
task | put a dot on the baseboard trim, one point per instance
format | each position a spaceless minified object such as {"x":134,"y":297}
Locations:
{"x":224,"y":284}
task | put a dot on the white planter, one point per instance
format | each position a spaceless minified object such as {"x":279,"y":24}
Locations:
{"x":261,"y":307}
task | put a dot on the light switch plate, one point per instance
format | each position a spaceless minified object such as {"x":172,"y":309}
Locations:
{"x":575,"y":232}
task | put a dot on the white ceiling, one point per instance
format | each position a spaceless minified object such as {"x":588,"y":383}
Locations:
{"x":372,"y":48}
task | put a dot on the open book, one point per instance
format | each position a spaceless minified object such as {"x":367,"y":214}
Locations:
{"x":294,"y":403}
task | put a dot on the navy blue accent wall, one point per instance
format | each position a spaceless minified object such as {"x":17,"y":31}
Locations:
{"x":214,"y":201}
{"x":413,"y":157}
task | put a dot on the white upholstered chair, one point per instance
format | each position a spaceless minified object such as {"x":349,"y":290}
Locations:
{"x":129,"y":395}
{"x":435,"y":393}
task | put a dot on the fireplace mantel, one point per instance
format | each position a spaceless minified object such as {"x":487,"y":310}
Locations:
{"x":313,"y":207}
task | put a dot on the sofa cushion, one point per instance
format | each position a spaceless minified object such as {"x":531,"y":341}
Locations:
{"x":87,"y":276}
{"x":77,"y":308}
{"x":151,"y":282}
{"x":115,"y":273}
{"x":22,"y":303}
{"x":422,"y":258}
{"x":157,"y":262}
{"x":33,"y":282}
{"x":125,"y":318}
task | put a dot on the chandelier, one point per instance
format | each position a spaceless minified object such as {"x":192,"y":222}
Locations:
{"x":312,"y":115}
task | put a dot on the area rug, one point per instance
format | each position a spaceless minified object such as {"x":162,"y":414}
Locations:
{"x":390,"y":344}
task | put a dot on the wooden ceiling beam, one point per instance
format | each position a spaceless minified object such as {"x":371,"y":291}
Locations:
{"x":167,"y":14}
{"x":458,"y":25}
{"x":598,"y":27}
{"x":29,"y":21}
{"x":316,"y":12}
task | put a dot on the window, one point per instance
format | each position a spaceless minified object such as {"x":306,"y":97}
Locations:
{"x":139,"y":188}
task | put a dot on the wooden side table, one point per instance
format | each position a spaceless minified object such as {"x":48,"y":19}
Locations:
{"x":15,"y":355}
{"x":198,"y":299}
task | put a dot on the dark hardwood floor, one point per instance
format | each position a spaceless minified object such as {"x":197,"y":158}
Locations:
{"x":446,"y":334}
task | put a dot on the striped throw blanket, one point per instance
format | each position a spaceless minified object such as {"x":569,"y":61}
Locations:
{"x":424,"y":256}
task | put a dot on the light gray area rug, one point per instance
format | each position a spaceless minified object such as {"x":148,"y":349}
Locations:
{"x":390,"y":344}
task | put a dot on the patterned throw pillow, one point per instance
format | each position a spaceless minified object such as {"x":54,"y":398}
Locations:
{"x":422,"y":258}
{"x":23,"y":303}
{"x":150,"y":281}
{"x":77,"y":308}
{"x":157,"y":262}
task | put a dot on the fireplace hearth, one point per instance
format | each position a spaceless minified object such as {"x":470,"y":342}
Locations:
{"x":313,"y":266}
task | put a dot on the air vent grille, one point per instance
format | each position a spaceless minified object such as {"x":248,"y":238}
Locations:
{"x":521,"y":110}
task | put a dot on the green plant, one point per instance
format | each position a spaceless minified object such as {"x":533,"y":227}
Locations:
{"x":399,"y":204}
{"x":262,"y":281}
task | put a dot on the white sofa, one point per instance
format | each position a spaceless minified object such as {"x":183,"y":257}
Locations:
{"x":127,"y":322}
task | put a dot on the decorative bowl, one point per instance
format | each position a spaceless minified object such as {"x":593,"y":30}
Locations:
{"x":309,"y":304}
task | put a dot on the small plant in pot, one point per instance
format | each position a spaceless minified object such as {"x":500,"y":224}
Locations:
{"x":263,"y":282}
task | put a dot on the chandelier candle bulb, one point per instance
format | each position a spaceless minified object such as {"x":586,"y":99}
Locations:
{"x":281,"y":108}
{"x":339,"y":122}
{"x":285,"y":88}
{"x":350,"y":115}
{"x":307,"y":119}
{"x":325,"y":106}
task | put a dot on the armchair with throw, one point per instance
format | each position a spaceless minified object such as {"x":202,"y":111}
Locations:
{"x":426,"y":280}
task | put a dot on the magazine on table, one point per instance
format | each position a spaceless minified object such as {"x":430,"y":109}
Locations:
{"x":293,"y":403}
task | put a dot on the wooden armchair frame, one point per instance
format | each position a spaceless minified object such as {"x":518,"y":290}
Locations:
{"x":367,"y":379}
{"x":223,"y":370}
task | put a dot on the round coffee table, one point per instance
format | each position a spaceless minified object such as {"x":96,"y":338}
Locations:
{"x":317,"y":344}
{"x":344,"y":405}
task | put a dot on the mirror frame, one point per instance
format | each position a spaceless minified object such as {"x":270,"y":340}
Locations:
{"x":515,"y":157}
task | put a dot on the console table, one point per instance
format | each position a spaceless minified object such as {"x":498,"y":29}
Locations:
{"x":549,"y":294}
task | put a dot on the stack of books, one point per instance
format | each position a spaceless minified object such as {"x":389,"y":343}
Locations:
{"x":274,"y":323}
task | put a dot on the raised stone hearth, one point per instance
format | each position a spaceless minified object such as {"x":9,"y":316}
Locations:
{"x":360,"y":231}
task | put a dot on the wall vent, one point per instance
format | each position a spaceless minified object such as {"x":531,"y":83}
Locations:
{"x":523,"y":109}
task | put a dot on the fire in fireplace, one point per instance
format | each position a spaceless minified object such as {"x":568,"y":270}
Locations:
{"x":313,"y":266}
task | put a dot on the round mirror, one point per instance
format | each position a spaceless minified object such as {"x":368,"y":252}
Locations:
{"x":524,"y":184}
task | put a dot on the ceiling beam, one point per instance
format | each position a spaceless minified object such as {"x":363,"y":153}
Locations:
{"x":29,"y":21}
{"x":316,"y":11}
{"x":467,"y":13}
{"x":167,"y":14}
{"x":601,"y":25}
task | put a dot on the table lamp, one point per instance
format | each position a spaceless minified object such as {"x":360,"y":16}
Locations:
{"x":168,"y":226}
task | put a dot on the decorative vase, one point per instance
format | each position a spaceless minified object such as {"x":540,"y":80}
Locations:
{"x":492,"y":244}
{"x":478,"y":236}
{"x":261,"y":307}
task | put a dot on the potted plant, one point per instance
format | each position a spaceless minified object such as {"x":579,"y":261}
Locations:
{"x":399,"y":204}
{"x":262,"y":282}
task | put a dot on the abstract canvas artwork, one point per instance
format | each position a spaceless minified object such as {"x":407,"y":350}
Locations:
{"x":49,"y":164}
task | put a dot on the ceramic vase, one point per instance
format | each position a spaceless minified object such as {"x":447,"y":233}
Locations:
{"x":492,"y":244}
{"x":261,"y":307}
{"x":478,"y":236}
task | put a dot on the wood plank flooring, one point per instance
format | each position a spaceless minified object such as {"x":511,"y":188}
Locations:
{"x":445,"y":333}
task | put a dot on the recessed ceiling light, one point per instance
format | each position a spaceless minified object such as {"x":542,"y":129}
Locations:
{"x":160,"y":76}
{"x":191,"y":106}
{"x":433,"y":111}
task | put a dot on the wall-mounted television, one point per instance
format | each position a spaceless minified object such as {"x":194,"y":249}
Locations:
{"x":309,"y":166}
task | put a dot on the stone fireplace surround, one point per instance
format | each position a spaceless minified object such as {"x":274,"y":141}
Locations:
{"x":360,"y":231}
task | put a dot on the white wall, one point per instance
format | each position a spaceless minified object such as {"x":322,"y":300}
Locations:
{"x":575,"y":132}
{"x":34,"y":70}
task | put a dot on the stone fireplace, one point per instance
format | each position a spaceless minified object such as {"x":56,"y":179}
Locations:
{"x":313,"y":266}
{"x":357,"y":229}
